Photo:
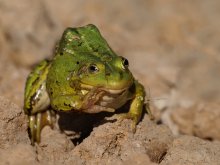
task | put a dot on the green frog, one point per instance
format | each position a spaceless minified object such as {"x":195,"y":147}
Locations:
{"x":85,"y":75}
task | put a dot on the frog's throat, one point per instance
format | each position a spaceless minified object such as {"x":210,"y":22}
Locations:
{"x":111,"y":91}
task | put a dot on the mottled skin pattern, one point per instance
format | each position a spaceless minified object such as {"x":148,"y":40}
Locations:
{"x":85,"y":75}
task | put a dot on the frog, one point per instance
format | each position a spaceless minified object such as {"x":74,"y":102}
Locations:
{"x":84,"y":75}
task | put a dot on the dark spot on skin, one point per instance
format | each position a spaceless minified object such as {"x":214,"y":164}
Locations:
{"x":107,"y":74}
{"x":65,"y":104}
{"x":121,"y":75}
{"x":51,"y":92}
{"x":94,"y":49}
{"x":79,"y":43}
{"x":76,"y":31}
{"x":35,"y":81}
{"x":57,"y":82}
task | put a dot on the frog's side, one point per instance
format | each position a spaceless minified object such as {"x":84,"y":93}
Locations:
{"x":85,"y":75}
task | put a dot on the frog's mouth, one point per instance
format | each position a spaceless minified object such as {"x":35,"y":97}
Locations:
{"x":110,"y":91}
{"x":111,"y":98}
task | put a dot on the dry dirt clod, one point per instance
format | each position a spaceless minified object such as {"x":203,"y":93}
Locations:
{"x":18,"y":154}
{"x":112,"y":142}
{"x":13,"y":128}
{"x":201,"y":120}
{"x":54,"y":147}
{"x":189,"y":150}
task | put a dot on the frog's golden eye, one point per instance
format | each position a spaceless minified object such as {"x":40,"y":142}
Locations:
{"x":93,"y":68}
{"x":125,"y":63}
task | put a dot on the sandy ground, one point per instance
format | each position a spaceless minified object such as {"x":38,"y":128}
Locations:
{"x":172,"y":47}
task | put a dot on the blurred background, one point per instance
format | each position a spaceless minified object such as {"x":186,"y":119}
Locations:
{"x":173,"y":48}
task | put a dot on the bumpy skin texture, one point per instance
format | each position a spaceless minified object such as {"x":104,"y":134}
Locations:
{"x":84,"y":75}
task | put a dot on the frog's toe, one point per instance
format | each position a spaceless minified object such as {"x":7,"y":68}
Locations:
{"x":32,"y":128}
{"x":133,"y":117}
{"x":35,"y":128}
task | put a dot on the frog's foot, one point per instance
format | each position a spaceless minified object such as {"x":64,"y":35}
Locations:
{"x":134,"y":117}
{"x":37,"y":122}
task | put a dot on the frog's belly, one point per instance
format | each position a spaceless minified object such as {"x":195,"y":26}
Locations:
{"x":114,"y":101}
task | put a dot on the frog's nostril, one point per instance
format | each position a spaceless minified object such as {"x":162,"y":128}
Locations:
{"x":107,"y":74}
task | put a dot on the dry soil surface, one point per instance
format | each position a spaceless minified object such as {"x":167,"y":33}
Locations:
{"x":173,"y":49}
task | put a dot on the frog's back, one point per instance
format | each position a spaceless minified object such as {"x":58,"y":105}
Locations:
{"x":84,"y":39}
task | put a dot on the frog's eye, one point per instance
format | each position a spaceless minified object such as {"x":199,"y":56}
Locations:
{"x":93,"y":68}
{"x":125,"y":63}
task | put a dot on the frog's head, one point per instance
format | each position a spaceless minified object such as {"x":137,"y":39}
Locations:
{"x":97,"y":64}
{"x":110,"y":74}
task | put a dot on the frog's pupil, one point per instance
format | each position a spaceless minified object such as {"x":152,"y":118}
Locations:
{"x":93,"y":68}
{"x":125,"y":62}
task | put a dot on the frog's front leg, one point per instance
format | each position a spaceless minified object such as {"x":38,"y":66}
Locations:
{"x":137,"y":105}
{"x":36,"y":102}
